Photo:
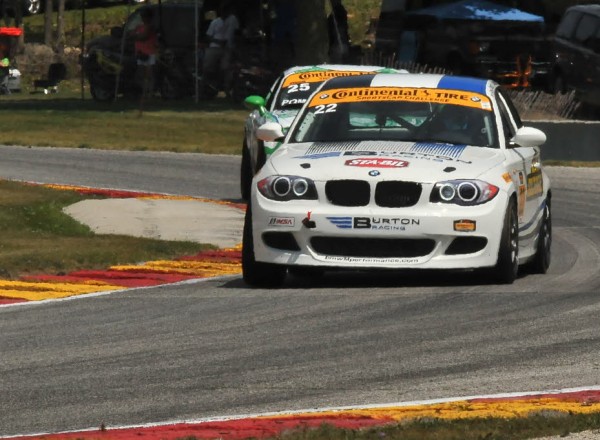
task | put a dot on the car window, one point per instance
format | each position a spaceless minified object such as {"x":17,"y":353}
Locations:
{"x":396,"y":120}
{"x":586,"y":30}
{"x":513,"y":112}
{"x":134,"y":20}
{"x":511,"y":120}
{"x":293,"y":96}
{"x":272,"y":92}
{"x":178,"y":27}
{"x":567,"y":25}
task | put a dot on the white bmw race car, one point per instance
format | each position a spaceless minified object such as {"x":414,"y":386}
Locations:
{"x":283,"y":102}
{"x":400,"y":171}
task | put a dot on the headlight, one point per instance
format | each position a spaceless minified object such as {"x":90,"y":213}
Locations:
{"x":463,"y":192}
{"x":283,"y":188}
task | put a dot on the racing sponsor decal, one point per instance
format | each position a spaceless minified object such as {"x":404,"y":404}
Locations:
{"x":375,"y":223}
{"x":412,"y":94}
{"x":380,"y":162}
{"x":521,"y":207}
{"x":535,"y":184}
{"x":282,"y":221}
{"x":437,"y":152}
{"x":465,"y":225}
{"x":294,"y":101}
{"x":318,"y":76}
{"x":319,"y":155}
{"x":358,"y":260}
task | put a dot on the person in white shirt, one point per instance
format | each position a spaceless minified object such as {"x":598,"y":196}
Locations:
{"x":221,"y":35}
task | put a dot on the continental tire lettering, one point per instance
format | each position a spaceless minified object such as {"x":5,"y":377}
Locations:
{"x":409,"y":94}
{"x":318,"y":76}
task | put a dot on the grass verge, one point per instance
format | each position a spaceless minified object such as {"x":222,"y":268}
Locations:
{"x":37,"y":237}
{"x":215,"y":126}
{"x":535,"y":426}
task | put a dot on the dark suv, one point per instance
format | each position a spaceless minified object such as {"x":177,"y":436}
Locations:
{"x":577,"y":54}
{"x":109,"y":62}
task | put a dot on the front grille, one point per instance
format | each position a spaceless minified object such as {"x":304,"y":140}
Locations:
{"x":348,"y":192}
{"x":466,"y":245}
{"x":397,"y":194}
{"x":372,"y":247}
{"x":284,"y":241}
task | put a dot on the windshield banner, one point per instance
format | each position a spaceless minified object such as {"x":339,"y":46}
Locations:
{"x":410,"y":94}
{"x":318,"y":76}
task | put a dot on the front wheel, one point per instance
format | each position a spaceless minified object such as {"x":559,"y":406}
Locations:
{"x":255,"y":273}
{"x":542,"y":258}
{"x":102,"y":92}
{"x":507,"y":267}
{"x":559,"y":84}
{"x":170,"y":88}
{"x":32,"y":7}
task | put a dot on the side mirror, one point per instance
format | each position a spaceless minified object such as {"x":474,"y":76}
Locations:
{"x":270,"y":132}
{"x":528,"y":137}
{"x":255,"y":102}
{"x":116,"y":32}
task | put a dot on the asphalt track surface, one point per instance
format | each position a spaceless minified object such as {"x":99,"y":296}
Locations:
{"x":217,"y":348}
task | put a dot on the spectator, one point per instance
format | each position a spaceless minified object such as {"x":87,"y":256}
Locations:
{"x":218,"y":57}
{"x":337,"y":25}
{"x":146,"y":47}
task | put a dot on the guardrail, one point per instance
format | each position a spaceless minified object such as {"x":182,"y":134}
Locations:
{"x":570,"y":140}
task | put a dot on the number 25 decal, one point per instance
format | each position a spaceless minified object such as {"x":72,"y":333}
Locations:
{"x":304,"y":87}
{"x":329,"y":108}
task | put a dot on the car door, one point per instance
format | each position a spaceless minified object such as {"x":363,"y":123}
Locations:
{"x":585,"y":72}
{"x":525,"y":168}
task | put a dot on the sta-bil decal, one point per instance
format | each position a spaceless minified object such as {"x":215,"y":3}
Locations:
{"x":379,"y":162}
{"x":438,"y":96}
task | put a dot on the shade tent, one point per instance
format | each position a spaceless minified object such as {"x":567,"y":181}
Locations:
{"x":476,"y":10}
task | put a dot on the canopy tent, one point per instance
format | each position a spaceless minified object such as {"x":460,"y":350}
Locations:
{"x":476,"y":10}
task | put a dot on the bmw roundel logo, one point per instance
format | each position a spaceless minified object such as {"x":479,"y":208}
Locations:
{"x":374,"y":173}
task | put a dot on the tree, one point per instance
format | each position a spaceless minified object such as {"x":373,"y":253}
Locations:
{"x":311,"y":32}
{"x":48,"y":22}
{"x":60,"y":27}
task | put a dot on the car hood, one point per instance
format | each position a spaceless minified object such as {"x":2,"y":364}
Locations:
{"x":412,"y":161}
{"x":285,"y":117}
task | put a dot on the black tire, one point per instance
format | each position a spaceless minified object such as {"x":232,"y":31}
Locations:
{"x":261,"y":157}
{"x":541,"y":260}
{"x":102,"y":92}
{"x":257,"y":274}
{"x":306,"y":272}
{"x":245,"y":173}
{"x":32,"y":7}
{"x":170,"y":89}
{"x":559,"y":84}
{"x":507,"y":267}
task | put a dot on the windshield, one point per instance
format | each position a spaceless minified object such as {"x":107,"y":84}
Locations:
{"x":398,"y":114}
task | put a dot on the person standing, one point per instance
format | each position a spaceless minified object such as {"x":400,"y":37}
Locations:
{"x":221,"y":34}
{"x":146,"y":47}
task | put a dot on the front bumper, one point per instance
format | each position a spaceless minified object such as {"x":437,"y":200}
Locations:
{"x":425,"y":236}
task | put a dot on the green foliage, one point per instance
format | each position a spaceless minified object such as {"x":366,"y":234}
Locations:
{"x":537,"y":425}
{"x":38,"y":237}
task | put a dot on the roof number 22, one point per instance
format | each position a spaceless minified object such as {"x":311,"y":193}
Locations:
{"x":329,"y":108}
